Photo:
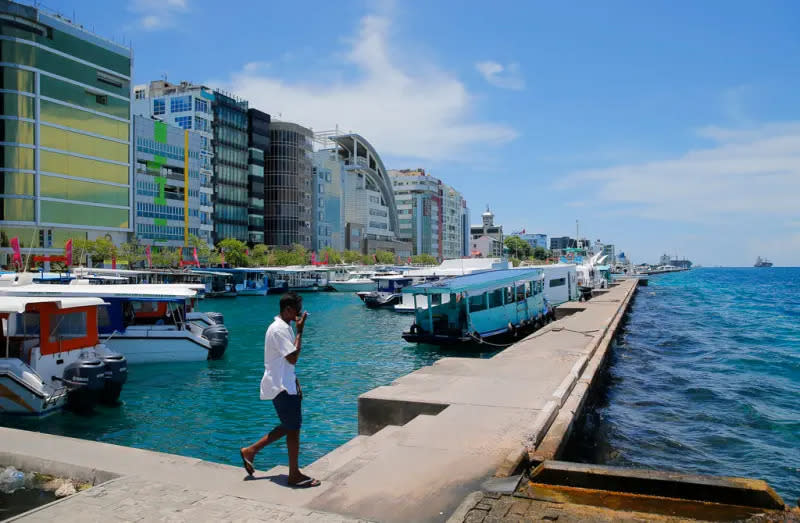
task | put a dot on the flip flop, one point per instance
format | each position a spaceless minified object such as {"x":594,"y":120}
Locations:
{"x":306,"y":483}
{"x":248,"y":465}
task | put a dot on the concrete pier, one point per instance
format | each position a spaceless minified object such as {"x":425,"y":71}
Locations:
{"x":425,"y":441}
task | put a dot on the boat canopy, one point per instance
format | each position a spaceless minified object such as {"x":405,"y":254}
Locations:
{"x":133,"y":291}
{"x":476,"y":283}
{"x":17,"y":304}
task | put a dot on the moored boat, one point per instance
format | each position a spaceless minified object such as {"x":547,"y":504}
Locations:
{"x":248,"y":281}
{"x":479,"y":307}
{"x":762,"y":262}
{"x":387,"y":293}
{"x":52,"y":356}
{"x":146,"y":323}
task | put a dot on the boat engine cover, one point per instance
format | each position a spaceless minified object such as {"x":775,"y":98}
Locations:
{"x":217,"y":336}
{"x":116,"y":376}
{"x":216,"y":317}
{"x":85,"y":379}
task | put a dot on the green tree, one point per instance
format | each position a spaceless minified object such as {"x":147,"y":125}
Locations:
{"x":81,"y":247}
{"x":205,"y":254}
{"x":385,"y":257}
{"x":104,"y":249}
{"x":334,"y":256}
{"x":540,"y":253}
{"x":517,"y":247}
{"x":352,"y":257}
{"x":234,"y":251}
{"x":423,"y":259}
{"x":260,"y":255}
{"x":132,"y":252}
{"x":515,"y":261}
{"x":165,"y":256}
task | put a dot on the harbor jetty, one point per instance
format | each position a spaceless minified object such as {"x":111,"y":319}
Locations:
{"x":426,"y":444}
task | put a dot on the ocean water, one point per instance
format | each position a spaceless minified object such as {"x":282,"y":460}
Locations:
{"x":210,"y":409}
{"x":705,"y":378}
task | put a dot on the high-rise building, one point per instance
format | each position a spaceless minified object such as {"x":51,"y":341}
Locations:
{"x":288,"y":202}
{"x":328,"y":198}
{"x":258,"y":144}
{"x":66,"y":131}
{"x":230,"y":165}
{"x":488,"y":228}
{"x":167,"y":183}
{"x":418,"y":197}
{"x":558,"y":243}
{"x":532,"y":239}
{"x":455,"y":224}
{"x":189,"y":107}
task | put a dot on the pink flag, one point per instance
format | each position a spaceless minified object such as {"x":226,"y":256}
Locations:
{"x":17,"y":258}
{"x":313,"y":258}
{"x":68,"y":252}
{"x":194,"y":255}
{"x":113,"y":261}
{"x":148,"y":256}
{"x":409,"y":259}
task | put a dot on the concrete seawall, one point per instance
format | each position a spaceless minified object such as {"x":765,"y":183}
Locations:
{"x":425,"y":441}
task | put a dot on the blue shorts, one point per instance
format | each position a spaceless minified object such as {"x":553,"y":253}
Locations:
{"x":288,"y":408}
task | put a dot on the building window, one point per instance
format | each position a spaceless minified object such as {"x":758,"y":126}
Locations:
{"x":159,"y":106}
{"x":184,"y":122}
{"x":140,"y":94}
{"x":200,"y":106}
{"x":201,"y":124}
{"x":180,"y":104}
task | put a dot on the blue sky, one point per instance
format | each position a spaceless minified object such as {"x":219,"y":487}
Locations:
{"x":661,"y":126}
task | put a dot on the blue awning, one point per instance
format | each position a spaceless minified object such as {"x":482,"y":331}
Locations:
{"x":477,"y":283}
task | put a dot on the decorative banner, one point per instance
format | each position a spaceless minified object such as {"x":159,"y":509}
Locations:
{"x":194,"y":256}
{"x":113,"y":261}
{"x":313,"y":258}
{"x":375,"y":257}
{"x":17,"y":258}
{"x":409,"y":260}
{"x":148,"y":256}
{"x":68,"y":252}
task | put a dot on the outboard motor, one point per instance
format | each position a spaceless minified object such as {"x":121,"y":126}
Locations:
{"x":217,"y":336}
{"x":85,"y":380}
{"x":115,"y":377}
{"x":216,"y":317}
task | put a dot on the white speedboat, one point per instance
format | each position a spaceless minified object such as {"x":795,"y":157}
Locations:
{"x":356,"y":282}
{"x":388,"y":292}
{"x":146,"y":323}
{"x":52,"y":357}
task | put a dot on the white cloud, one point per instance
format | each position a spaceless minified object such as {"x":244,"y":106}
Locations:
{"x":410,"y":110}
{"x":155,"y":15}
{"x":503,"y":76}
{"x":747,"y":174}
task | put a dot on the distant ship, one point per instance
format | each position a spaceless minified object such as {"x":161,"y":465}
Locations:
{"x":762,"y":262}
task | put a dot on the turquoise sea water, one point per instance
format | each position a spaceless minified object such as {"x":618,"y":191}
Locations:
{"x":705,"y":378}
{"x":209,"y":410}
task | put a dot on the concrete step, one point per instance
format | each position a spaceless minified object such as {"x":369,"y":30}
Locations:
{"x":361,"y":447}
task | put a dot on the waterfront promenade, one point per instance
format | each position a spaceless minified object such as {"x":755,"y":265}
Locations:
{"x":425,"y":441}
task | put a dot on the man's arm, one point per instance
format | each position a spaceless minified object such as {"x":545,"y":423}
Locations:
{"x":298,"y":340}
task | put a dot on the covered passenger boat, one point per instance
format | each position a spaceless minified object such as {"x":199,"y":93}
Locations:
{"x":478,"y":307}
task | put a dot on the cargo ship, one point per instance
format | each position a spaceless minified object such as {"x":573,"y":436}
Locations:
{"x":762,"y":262}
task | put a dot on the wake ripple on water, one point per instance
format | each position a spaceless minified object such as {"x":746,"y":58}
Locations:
{"x":705,"y":378}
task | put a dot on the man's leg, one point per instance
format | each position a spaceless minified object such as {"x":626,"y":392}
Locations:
{"x":293,"y":446}
{"x":273,"y":436}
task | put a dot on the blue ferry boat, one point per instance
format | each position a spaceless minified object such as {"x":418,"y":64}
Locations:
{"x":248,"y":281}
{"x":478,"y":307}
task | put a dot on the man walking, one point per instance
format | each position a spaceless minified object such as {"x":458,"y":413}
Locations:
{"x":279,"y":384}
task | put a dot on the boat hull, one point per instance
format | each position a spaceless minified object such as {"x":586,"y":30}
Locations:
{"x":378,"y":300}
{"x":500,"y":337}
{"x":343,"y":286}
{"x":251,"y":292}
{"x":20,"y":398}
{"x":159,"y":347}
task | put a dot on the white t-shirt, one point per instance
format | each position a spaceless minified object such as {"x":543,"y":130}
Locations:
{"x":278,"y":373}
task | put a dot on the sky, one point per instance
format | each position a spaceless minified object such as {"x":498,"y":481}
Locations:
{"x":660,"y":126}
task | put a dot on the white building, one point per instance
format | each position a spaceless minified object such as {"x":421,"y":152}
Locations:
{"x":486,"y":247}
{"x":189,"y":107}
{"x":488,"y":228}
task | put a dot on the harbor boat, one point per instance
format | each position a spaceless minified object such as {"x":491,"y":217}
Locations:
{"x":388,"y":292}
{"x":305,"y":279}
{"x":762,"y":262}
{"x":560,"y":282}
{"x":447,"y":269}
{"x":479,"y":307}
{"x":52,"y":356}
{"x":146,"y":323}
{"x":358,"y":281}
{"x":248,"y":281}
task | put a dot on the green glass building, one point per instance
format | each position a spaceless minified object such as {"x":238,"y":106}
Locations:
{"x":65,"y":129}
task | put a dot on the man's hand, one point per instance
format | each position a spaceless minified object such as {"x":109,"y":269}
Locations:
{"x":300,"y":322}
